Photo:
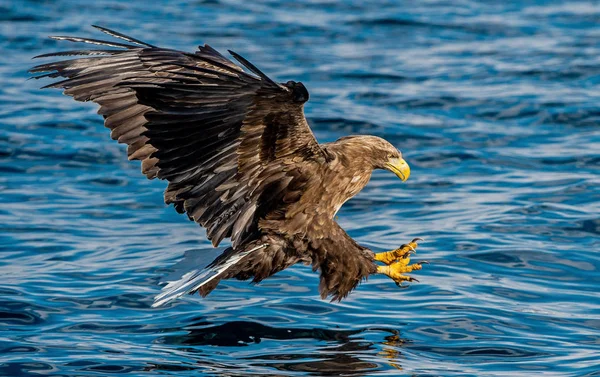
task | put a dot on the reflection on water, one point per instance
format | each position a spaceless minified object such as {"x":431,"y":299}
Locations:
{"x":493,"y":104}
{"x":336,"y":351}
{"x":241,"y":333}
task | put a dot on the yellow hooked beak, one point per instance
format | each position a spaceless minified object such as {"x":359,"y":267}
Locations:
{"x":399,"y":167}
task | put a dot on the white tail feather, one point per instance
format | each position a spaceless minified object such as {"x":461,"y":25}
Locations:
{"x":193,"y":280}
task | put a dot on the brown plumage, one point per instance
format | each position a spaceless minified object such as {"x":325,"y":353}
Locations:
{"x":237,"y":152}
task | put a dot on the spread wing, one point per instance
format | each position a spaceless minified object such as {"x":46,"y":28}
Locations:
{"x":223,"y":138}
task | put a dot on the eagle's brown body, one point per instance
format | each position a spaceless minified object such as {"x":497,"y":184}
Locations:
{"x":305,"y":230}
{"x":237,"y":152}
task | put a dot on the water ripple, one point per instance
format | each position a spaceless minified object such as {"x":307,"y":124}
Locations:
{"x":493,"y":104}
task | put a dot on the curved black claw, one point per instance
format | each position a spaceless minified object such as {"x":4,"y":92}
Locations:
{"x":409,"y":280}
{"x":407,"y":245}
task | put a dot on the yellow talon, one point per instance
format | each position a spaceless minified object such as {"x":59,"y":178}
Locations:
{"x":397,"y":262}
{"x":395,"y":271}
{"x":399,"y":254}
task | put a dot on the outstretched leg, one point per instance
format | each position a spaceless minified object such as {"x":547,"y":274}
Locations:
{"x":397,"y":262}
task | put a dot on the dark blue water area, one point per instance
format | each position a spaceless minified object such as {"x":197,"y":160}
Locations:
{"x":496,"y":107}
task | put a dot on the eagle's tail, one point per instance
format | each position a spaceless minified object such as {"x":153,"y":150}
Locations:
{"x":203,"y":279}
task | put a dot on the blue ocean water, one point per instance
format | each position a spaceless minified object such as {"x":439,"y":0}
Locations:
{"x":496,"y":107}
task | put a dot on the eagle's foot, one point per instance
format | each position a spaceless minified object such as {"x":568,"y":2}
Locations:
{"x":397,"y":262}
{"x":399,"y":254}
{"x":396,"y":270}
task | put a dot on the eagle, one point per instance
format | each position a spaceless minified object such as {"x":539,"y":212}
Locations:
{"x":239,"y":157}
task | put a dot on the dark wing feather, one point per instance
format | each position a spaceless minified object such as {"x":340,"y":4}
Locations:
{"x":115,"y":34}
{"x":221,"y":137}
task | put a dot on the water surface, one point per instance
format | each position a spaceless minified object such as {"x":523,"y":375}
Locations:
{"x":496,"y":107}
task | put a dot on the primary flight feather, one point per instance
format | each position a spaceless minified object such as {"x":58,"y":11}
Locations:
{"x":239,"y":158}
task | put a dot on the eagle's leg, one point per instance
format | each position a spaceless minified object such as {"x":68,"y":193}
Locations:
{"x":397,"y":262}
{"x":403,"y":252}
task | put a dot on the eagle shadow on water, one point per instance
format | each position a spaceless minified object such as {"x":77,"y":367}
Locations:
{"x":338,"y":352}
{"x":239,"y":158}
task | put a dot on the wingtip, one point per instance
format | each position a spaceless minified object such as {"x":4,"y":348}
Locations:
{"x":103,"y":29}
{"x":124,"y":37}
{"x":234,"y":54}
{"x":47,"y":86}
{"x":237,"y":56}
{"x":252,"y":67}
{"x":43,"y":55}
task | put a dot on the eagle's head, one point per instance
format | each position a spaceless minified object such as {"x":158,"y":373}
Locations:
{"x":376,"y":153}
{"x":386,"y":156}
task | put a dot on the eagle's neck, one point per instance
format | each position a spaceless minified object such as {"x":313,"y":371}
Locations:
{"x":345,"y":176}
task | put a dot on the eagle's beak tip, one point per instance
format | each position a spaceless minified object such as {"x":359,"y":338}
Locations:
{"x":399,"y":167}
